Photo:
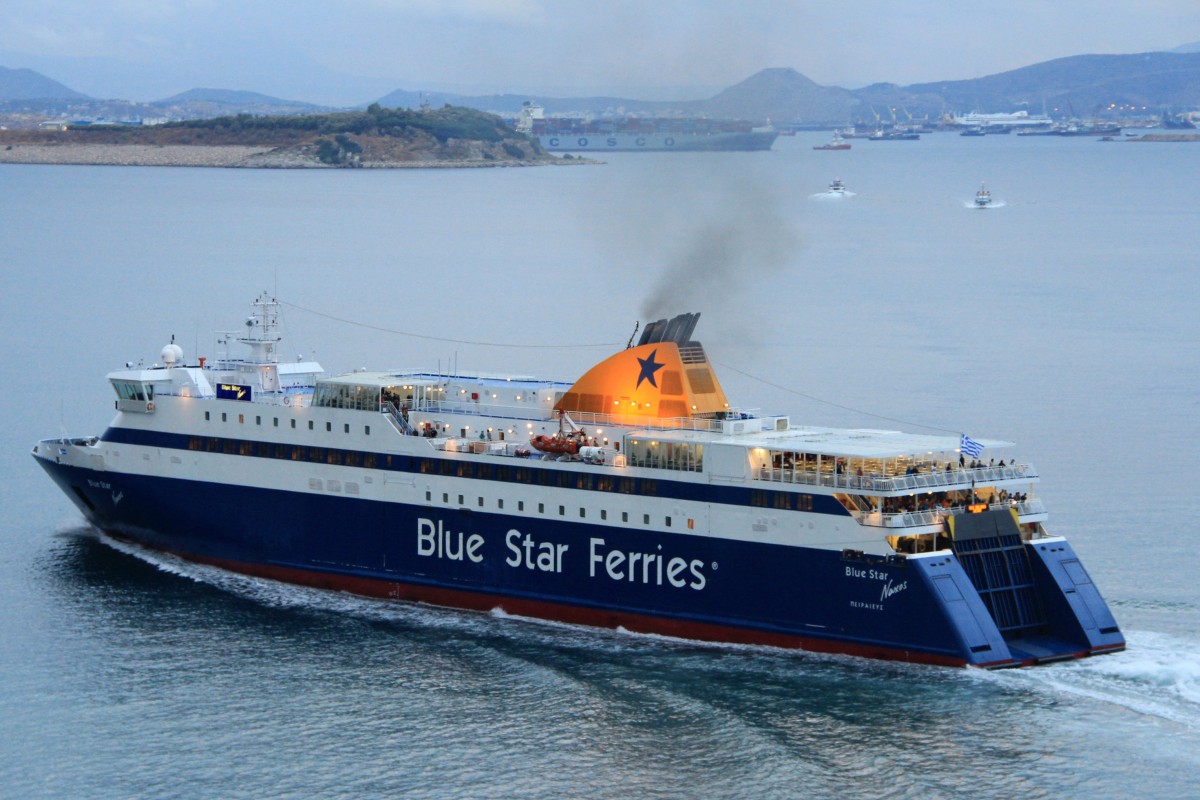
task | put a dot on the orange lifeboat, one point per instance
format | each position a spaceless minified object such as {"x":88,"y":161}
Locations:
{"x":559,"y":444}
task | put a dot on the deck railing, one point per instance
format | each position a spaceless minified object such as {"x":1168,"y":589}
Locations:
{"x":875,"y":484}
{"x":936,"y":516}
{"x":589,"y":419}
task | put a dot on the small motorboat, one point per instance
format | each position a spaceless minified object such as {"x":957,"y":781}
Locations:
{"x":837,"y":186}
{"x":983,"y":198}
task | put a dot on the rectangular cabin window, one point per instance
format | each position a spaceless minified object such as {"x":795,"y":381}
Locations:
{"x":276,"y":422}
{"x":460,"y":500}
{"x":428,"y":496}
{"x":310,"y":424}
{"x":224,"y":417}
{"x":520,"y":505}
{"x":624,"y":516}
{"x":500,"y":502}
{"x":562,"y":511}
{"x":293,"y":423}
{"x":369,"y":460}
{"x":329,"y":427}
{"x":257,"y":420}
{"x":603,"y":513}
{"x":480,"y":502}
{"x":645,"y":519}
{"x":667,"y":521}
{"x":541,"y":508}
{"x":445,"y":497}
{"x":206,"y":417}
{"x":241,"y":419}
{"x":366,"y":430}
{"x":347,"y":428}
{"x":582,"y":513}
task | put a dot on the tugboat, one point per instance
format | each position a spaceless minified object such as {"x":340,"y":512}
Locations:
{"x":983,"y":197}
{"x":837,"y":143}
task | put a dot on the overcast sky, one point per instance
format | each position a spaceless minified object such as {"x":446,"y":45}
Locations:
{"x":354,"y":51}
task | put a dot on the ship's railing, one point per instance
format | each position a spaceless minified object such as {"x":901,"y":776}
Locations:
{"x":582,"y":418}
{"x":898,"y":483}
{"x":936,"y":516}
{"x":399,"y":420}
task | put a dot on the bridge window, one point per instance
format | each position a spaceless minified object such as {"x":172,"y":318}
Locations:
{"x":133,"y":390}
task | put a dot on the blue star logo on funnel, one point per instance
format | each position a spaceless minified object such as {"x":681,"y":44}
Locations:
{"x":649,"y":367}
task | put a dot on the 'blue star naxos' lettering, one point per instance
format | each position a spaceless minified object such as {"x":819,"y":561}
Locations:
{"x":649,"y":367}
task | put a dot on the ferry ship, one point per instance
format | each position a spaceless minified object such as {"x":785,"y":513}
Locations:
{"x":636,"y":497}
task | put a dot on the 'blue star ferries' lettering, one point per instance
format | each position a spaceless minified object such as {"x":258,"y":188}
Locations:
{"x":649,"y":367}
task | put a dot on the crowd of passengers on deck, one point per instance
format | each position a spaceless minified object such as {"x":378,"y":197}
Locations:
{"x":939,"y":501}
{"x":781,"y":461}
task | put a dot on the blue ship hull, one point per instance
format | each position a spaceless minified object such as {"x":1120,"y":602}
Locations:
{"x":916,"y":608}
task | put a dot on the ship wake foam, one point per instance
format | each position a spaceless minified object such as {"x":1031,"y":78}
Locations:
{"x":1158,"y":676}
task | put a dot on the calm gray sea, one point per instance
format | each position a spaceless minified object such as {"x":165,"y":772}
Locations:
{"x":1062,"y":319}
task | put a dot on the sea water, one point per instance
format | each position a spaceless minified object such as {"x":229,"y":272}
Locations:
{"x":1061,"y":319}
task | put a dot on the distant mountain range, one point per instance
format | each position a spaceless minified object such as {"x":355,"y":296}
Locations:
{"x":25,"y":84}
{"x":1083,"y":86}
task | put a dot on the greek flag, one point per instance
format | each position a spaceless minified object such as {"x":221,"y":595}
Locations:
{"x":970,"y":447}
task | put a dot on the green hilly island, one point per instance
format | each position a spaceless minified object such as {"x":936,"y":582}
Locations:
{"x":376,"y":137}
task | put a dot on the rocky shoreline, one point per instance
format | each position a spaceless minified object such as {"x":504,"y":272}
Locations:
{"x":234,"y":156}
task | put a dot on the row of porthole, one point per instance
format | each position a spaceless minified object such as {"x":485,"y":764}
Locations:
{"x":541,"y":509}
{"x":241,"y":418}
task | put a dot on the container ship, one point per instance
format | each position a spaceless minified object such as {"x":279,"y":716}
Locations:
{"x":635,"y":497}
{"x":643,"y":133}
